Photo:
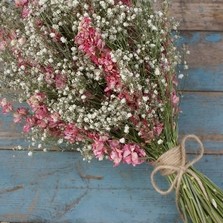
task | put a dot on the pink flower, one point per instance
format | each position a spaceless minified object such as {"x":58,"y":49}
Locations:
{"x":133,"y":154}
{"x":125,"y":2}
{"x":99,"y":147}
{"x":26,"y":128}
{"x":25,"y":12}
{"x":116,"y":154}
{"x":6,"y":106}
{"x":3,"y":45}
{"x":19,"y":114}
{"x":41,"y":112}
{"x":42,"y":123}
{"x":90,"y":41}
{"x":60,"y":81}
{"x":158,"y":128}
{"x":21,"y":41}
{"x":20,"y":3}
{"x":174,"y":98}
{"x":30,"y":122}
{"x":71,"y":133}
{"x":35,"y":100}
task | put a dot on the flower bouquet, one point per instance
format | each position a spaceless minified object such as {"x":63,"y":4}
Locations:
{"x":100,"y":76}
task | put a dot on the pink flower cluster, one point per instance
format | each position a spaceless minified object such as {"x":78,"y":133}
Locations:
{"x":59,"y":80}
{"x":42,"y":118}
{"x":51,"y":122}
{"x":6,"y":106}
{"x":127,"y":153}
{"x":91,"y":43}
{"x":125,"y":2}
{"x":24,"y":5}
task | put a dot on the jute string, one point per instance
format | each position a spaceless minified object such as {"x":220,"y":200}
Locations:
{"x":174,"y":162}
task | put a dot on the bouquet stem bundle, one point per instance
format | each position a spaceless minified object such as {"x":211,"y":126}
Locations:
{"x":100,"y":76}
{"x":196,"y":196}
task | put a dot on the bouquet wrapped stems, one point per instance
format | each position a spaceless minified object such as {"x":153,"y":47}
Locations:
{"x":198,"y":199}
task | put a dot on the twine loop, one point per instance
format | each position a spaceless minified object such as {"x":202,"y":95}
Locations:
{"x":174,"y":162}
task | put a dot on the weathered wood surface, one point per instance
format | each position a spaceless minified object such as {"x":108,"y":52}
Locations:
{"x":59,"y":187}
{"x":198,"y":14}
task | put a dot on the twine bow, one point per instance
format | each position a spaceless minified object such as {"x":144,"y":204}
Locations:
{"x":174,"y":161}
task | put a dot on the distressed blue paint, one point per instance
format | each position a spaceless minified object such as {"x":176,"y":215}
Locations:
{"x":203,"y":79}
{"x":50,"y":189}
{"x":213,"y":37}
{"x":202,"y":113}
{"x":191,"y":38}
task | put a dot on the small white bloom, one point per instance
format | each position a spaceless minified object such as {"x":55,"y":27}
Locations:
{"x":126,"y":129}
{"x":63,"y":39}
{"x":123,"y":101}
{"x":122,"y":140}
{"x":180,"y":76}
{"x":52,"y":35}
{"x":160,"y":141}
{"x":60,"y":141}
{"x":157,"y":72}
{"x":129,"y":115}
{"x":30,"y":153}
{"x":83,"y":97}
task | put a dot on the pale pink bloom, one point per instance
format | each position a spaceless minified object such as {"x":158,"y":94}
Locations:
{"x":35,"y":100}
{"x":26,"y":128}
{"x":125,"y":2}
{"x":19,"y":114}
{"x":54,"y":120}
{"x":3,"y":45}
{"x":116,"y":156}
{"x":71,"y":133}
{"x":99,"y":147}
{"x":6,"y":106}
{"x":21,"y":41}
{"x":133,"y":154}
{"x":60,"y":81}
{"x":20,"y":3}
{"x":90,"y":41}
{"x":42,"y":123}
{"x":174,"y":98}
{"x":30,"y":122}
{"x":116,"y":153}
{"x":41,"y":112}
{"x":158,"y":128}
{"x":25,"y":12}
{"x":55,"y":117}
{"x":17,"y":117}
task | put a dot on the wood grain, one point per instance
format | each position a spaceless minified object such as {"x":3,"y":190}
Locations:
{"x":198,"y":14}
{"x":49,"y":187}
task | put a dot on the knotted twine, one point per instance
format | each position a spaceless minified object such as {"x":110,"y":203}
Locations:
{"x":174,"y":162}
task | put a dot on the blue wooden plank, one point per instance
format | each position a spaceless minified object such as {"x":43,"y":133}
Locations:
{"x":205,"y":61}
{"x":203,"y":79}
{"x":60,"y":187}
{"x":201,"y":113}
